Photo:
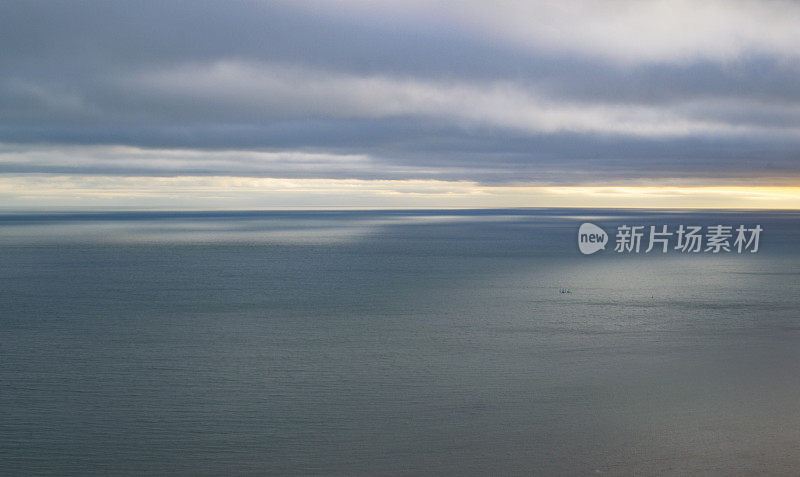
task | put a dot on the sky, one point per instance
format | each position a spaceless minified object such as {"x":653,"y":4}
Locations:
{"x":399,"y":103}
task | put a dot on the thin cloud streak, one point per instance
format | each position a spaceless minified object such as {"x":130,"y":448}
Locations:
{"x":264,"y":90}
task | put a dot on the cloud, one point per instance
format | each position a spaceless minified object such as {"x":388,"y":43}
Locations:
{"x":513,"y":167}
{"x":501,"y":93}
{"x":265,"y":91}
{"x":630,"y":31}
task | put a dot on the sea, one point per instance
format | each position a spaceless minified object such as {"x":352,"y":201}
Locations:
{"x":403,"y":342}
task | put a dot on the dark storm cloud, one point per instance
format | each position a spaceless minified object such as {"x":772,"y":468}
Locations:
{"x":416,"y":95}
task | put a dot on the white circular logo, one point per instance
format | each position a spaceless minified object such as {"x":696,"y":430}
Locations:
{"x":591,"y":238}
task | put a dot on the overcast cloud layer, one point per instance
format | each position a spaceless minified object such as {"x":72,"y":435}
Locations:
{"x":559,"y":93}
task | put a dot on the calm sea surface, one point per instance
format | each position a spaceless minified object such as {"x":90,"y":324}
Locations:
{"x":391,"y":343}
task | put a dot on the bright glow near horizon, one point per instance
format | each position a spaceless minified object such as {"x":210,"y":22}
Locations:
{"x":87,"y":192}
